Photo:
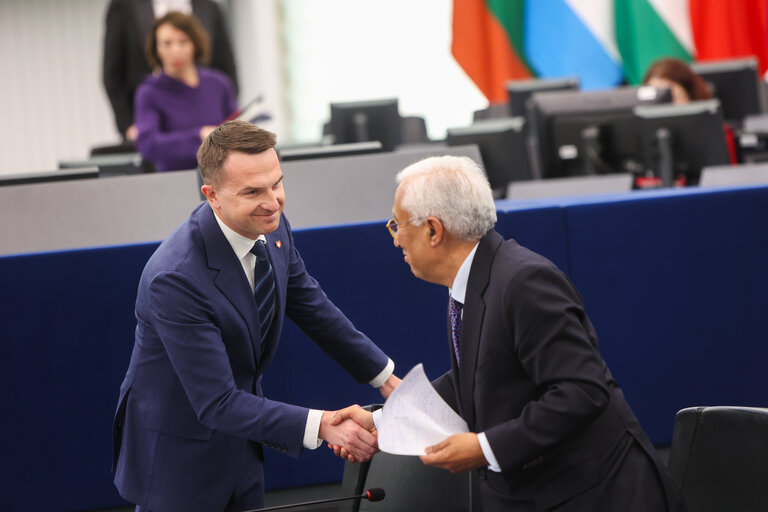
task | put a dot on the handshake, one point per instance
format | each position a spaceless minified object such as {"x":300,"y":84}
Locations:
{"x":355,"y":439}
{"x":350,"y":433}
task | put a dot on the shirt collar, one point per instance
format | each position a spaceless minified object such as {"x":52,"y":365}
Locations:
{"x":242,"y":245}
{"x":459,"y":289}
{"x":163,"y":7}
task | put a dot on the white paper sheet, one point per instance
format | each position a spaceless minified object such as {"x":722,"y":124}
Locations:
{"x":415,"y":417}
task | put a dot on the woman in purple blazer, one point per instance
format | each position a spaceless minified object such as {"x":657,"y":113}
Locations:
{"x":181,"y":103}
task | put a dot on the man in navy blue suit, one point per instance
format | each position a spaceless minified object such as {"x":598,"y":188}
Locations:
{"x":192,"y":419}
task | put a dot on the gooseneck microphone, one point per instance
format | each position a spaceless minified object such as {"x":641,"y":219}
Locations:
{"x":375,"y":494}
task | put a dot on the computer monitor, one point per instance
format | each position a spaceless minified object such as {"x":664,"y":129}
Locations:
{"x":520,"y":90}
{"x":363,"y":121}
{"x":736,"y":84}
{"x":576,"y":133}
{"x":502,"y":147}
{"x":679,"y":140}
{"x":47,"y":176}
{"x":334,"y":150}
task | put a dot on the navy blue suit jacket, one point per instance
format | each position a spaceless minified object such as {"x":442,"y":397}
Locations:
{"x":191,"y":408}
{"x":532,"y":378}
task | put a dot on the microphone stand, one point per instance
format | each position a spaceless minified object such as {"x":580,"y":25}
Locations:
{"x":376,"y":494}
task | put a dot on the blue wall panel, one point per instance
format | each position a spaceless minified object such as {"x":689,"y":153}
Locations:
{"x":675,"y":285}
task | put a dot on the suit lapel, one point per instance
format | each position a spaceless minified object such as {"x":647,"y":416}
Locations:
{"x":472,"y":322}
{"x":229,"y":279}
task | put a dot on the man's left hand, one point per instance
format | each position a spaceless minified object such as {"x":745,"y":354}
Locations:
{"x":458,"y":454}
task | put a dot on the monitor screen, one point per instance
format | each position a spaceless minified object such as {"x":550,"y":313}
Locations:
{"x":363,"y":121}
{"x":502,"y":146}
{"x":576,"y":133}
{"x":678,"y":140}
{"x":736,"y":84}
{"x":520,"y":90}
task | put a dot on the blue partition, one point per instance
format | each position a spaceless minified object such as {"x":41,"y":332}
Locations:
{"x":673,"y":281}
{"x":67,"y":337}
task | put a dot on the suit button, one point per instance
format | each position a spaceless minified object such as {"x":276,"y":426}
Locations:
{"x":483,"y":473}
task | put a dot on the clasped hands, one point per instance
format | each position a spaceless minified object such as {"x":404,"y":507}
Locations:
{"x":458,"y":453}
{"x":350,"y":432}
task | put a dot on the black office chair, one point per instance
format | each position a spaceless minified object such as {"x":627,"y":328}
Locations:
{"x":719,"y":458}
{"x":413,"y":130}
{"x":409,"y":485}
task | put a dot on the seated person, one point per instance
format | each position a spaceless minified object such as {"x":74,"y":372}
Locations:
{"x":181,"y":103}
{"x":686,"y":85}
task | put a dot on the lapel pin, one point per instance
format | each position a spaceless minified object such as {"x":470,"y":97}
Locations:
{"x":278,"y":244}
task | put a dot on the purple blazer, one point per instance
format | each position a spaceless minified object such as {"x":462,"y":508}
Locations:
{"x":169,"y":115}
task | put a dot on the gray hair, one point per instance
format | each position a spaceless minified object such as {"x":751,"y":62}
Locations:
{"x":452,"y":188}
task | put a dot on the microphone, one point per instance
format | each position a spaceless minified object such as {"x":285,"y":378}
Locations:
{"x":374,"y":494}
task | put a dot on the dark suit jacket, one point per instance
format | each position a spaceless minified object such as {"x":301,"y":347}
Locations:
{"x":191,"y":408}
{"x":125,"y":66}
{"x":531,"y":377}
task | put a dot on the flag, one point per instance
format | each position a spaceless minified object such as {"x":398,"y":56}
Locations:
{"x":647,"y":30}
{"x":487,"y":41}
{"x":732,"y":29}
{"x":573,"y":38}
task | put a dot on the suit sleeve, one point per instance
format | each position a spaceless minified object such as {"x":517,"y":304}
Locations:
{"x":184,"y":319}
{"x":114,"y":67}
{"x":545,"y":321}
{"x":309,"y":307}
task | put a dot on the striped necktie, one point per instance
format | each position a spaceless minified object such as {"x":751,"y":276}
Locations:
{"x":264,"y":286}
{"x":454,"y":312}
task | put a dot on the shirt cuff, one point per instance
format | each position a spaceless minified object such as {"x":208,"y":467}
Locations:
{"x":382,"y":377}
{"x":493,"y":464}
{"x":312,"y":430}
{"x":377,"y":416}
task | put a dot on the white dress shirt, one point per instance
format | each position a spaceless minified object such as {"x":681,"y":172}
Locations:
{"x":459,"y":292}
{"x":242,"y":246}
{"x":163,"y":7}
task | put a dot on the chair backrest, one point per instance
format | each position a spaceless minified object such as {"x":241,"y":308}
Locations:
{"x":719,"y":458}
{"x":408,"y":483}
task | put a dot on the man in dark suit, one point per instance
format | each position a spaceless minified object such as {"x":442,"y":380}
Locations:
{"x":192,"y":419}
{"x":124,"y":63}
{"x":549,"y":427}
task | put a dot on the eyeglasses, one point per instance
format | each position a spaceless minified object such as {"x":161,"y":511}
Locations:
{"x":392,"y":225}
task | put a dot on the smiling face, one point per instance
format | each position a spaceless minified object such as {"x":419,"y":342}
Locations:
{"x":175,"y":49}
{"x":248,"y":195}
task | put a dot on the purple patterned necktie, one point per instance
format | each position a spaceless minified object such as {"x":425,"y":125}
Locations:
{"x":454,"y":312}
